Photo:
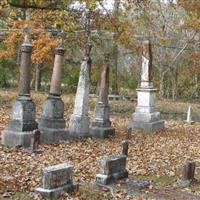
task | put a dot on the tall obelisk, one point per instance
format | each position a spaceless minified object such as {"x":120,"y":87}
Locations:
{"x":79,"y":121}
{"x":101,"y":124}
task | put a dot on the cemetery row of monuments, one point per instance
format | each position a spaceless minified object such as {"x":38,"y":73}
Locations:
{"x":23,"y":128}
{"x":52,"y":122}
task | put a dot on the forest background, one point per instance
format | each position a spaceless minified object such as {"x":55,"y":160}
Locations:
{"x":118,"y":29}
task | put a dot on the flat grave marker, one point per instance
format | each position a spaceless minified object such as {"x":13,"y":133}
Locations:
{"x":56,"y":180}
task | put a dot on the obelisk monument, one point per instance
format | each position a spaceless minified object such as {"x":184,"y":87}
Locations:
{"x":101,"y":124}
{"x":79,"y":121}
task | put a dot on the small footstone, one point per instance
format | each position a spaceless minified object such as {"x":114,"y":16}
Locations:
{"x":112,"y":168}
{"x":188,"y":174}
{"x":125,"y":147}
{"x":35,"y":141}
{"x":56,"y":180}
{"x":137,"y":184}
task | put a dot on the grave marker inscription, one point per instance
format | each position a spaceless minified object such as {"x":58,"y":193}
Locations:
{"x":56,"y":180}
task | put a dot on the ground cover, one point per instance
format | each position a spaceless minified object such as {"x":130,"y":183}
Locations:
{"x":157,"y":157}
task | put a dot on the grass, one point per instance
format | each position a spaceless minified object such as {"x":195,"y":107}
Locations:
{"x":163,"y":180}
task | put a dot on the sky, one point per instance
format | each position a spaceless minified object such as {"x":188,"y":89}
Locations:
{"x":109,"y":4}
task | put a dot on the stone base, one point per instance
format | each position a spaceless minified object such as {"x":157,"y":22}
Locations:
{"x":22,"y":125}
{"x":148,"y":126}
{"x":101,"y":132}
{"x":16,"y":139}
{"x":79,"y":126}
{"x":53,"y":113}
{"x":46,"y":123}
{"x":189,"y":122}
{"x":55,"y":193}
{"x":49,"y":136}
{"x":103,"y":179}
{"x":101,"y":117}
{"x":146,"y":116}
{"x":19,"y":129}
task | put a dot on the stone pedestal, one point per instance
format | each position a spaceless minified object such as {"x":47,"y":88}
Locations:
{"x":188,"y":174}
{"x":79,"y":121}
{"x":101,"y":124}
{"x":52,"y":123}
{"x":22,"y":123}
{"x":147,"y":116}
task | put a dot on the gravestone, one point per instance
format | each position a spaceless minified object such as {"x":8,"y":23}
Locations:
{"x":35,"y":141}
{"x":188,"y":174}
{"x":22,"y":123}
{"x":79,"y":121}
{"x":56,"y":180}
{"x":146,"y":116}
{"x":52,"y":123}
{"x":189,"y":116}
{"x":112,"y":168}
{"x":125,"y":147}
{"x":101,"y":125}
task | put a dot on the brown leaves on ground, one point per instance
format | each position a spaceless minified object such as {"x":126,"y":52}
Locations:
{"x":159,"y":153}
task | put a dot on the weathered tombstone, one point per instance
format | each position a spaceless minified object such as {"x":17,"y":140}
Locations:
{"x":189,"y":116}
{"x":79,"y":121}
{"x":52,"y":123}
{"x":128,"y":133}
{"x":188,"y":174}
{"x":112,"y":168}
{"x":56,"y":180}
{"x":35,"y":141}
{"x":125,"y":147}
{"x":146,"y":116}
{"x":22,"y":123}
{"x":101,"y":125}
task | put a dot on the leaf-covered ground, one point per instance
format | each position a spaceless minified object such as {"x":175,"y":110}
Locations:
{"x":157,"y":157}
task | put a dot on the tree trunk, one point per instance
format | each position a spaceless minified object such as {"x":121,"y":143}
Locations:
{"x":174,"y":83}
{"x":197,"y":79}
{"x":115,"y":54}
{"x":162,"y":86}
{"x":115,"y":70}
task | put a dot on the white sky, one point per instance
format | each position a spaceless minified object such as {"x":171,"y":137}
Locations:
{"x":109,"y":4}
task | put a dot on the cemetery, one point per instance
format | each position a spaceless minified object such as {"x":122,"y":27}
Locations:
{"x":99,"y":100}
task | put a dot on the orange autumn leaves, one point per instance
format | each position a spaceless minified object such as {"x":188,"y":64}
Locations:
{"x":43,"y":48}
{"x":43,"y":43}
